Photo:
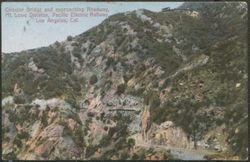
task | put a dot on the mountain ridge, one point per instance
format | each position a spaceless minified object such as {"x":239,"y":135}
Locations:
{"x":168,"y":66}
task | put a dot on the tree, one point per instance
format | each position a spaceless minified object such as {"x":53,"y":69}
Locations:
{"x":57,"y":44}
{"x":69,"y":38}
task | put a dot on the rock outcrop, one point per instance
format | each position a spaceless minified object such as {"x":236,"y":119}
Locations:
{"x":138,"y":81}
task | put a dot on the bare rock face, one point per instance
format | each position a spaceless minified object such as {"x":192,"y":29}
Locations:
{"x":166,"y":124}
{"x":51,"y":142}
{"x":155,"y":157}
{"x":52,"y":131}
{"x":137,"y":82}
{"x":72,"y":124}
{"x":169,"y":135}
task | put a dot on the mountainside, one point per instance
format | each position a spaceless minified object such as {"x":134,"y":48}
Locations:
{"x":140,"y":85}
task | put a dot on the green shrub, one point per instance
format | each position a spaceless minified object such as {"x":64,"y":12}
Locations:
{"x":72,"y":102}
{"x":17,"y":142}
{"x":10,"y":156}
{"x":110,"y":62}
{"x":23,"y":135}
{"x":105,"y":141}
{"x":77,"y":52}
{"x":44,"y":120}
{"x":57,"y":44}
{"x":78,"y":137}
{"x":12,"y":116}
{"x":5,"y":130}
{"x":75,"y":44}
{"x":121,"y":89}
{"x":124,"y":155}
{"x":90,"y":150}
{"x":152,"y":99}
{"x":135,"y":157}
{"x":19,"y":100}
{"x":66,"y":130}
{"x":138,"y":92}
{"x":69,"y":38}
{"x":131,"y":143}
{"x":93,"y":79}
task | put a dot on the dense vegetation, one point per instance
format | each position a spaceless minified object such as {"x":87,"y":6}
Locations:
{"x":105,"y":60}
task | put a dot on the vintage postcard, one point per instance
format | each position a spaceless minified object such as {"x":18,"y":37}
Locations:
{"x":124,"y":80}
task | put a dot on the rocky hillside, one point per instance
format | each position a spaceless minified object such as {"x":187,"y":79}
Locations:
{"x":141,"y":85}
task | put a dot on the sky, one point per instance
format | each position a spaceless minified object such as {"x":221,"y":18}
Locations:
{"x":24,"y":33}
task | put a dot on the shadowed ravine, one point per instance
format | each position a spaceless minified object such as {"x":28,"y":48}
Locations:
{"x":133,"y":87}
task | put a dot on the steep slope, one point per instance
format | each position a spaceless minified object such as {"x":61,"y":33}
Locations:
{"x":171,"y":79}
